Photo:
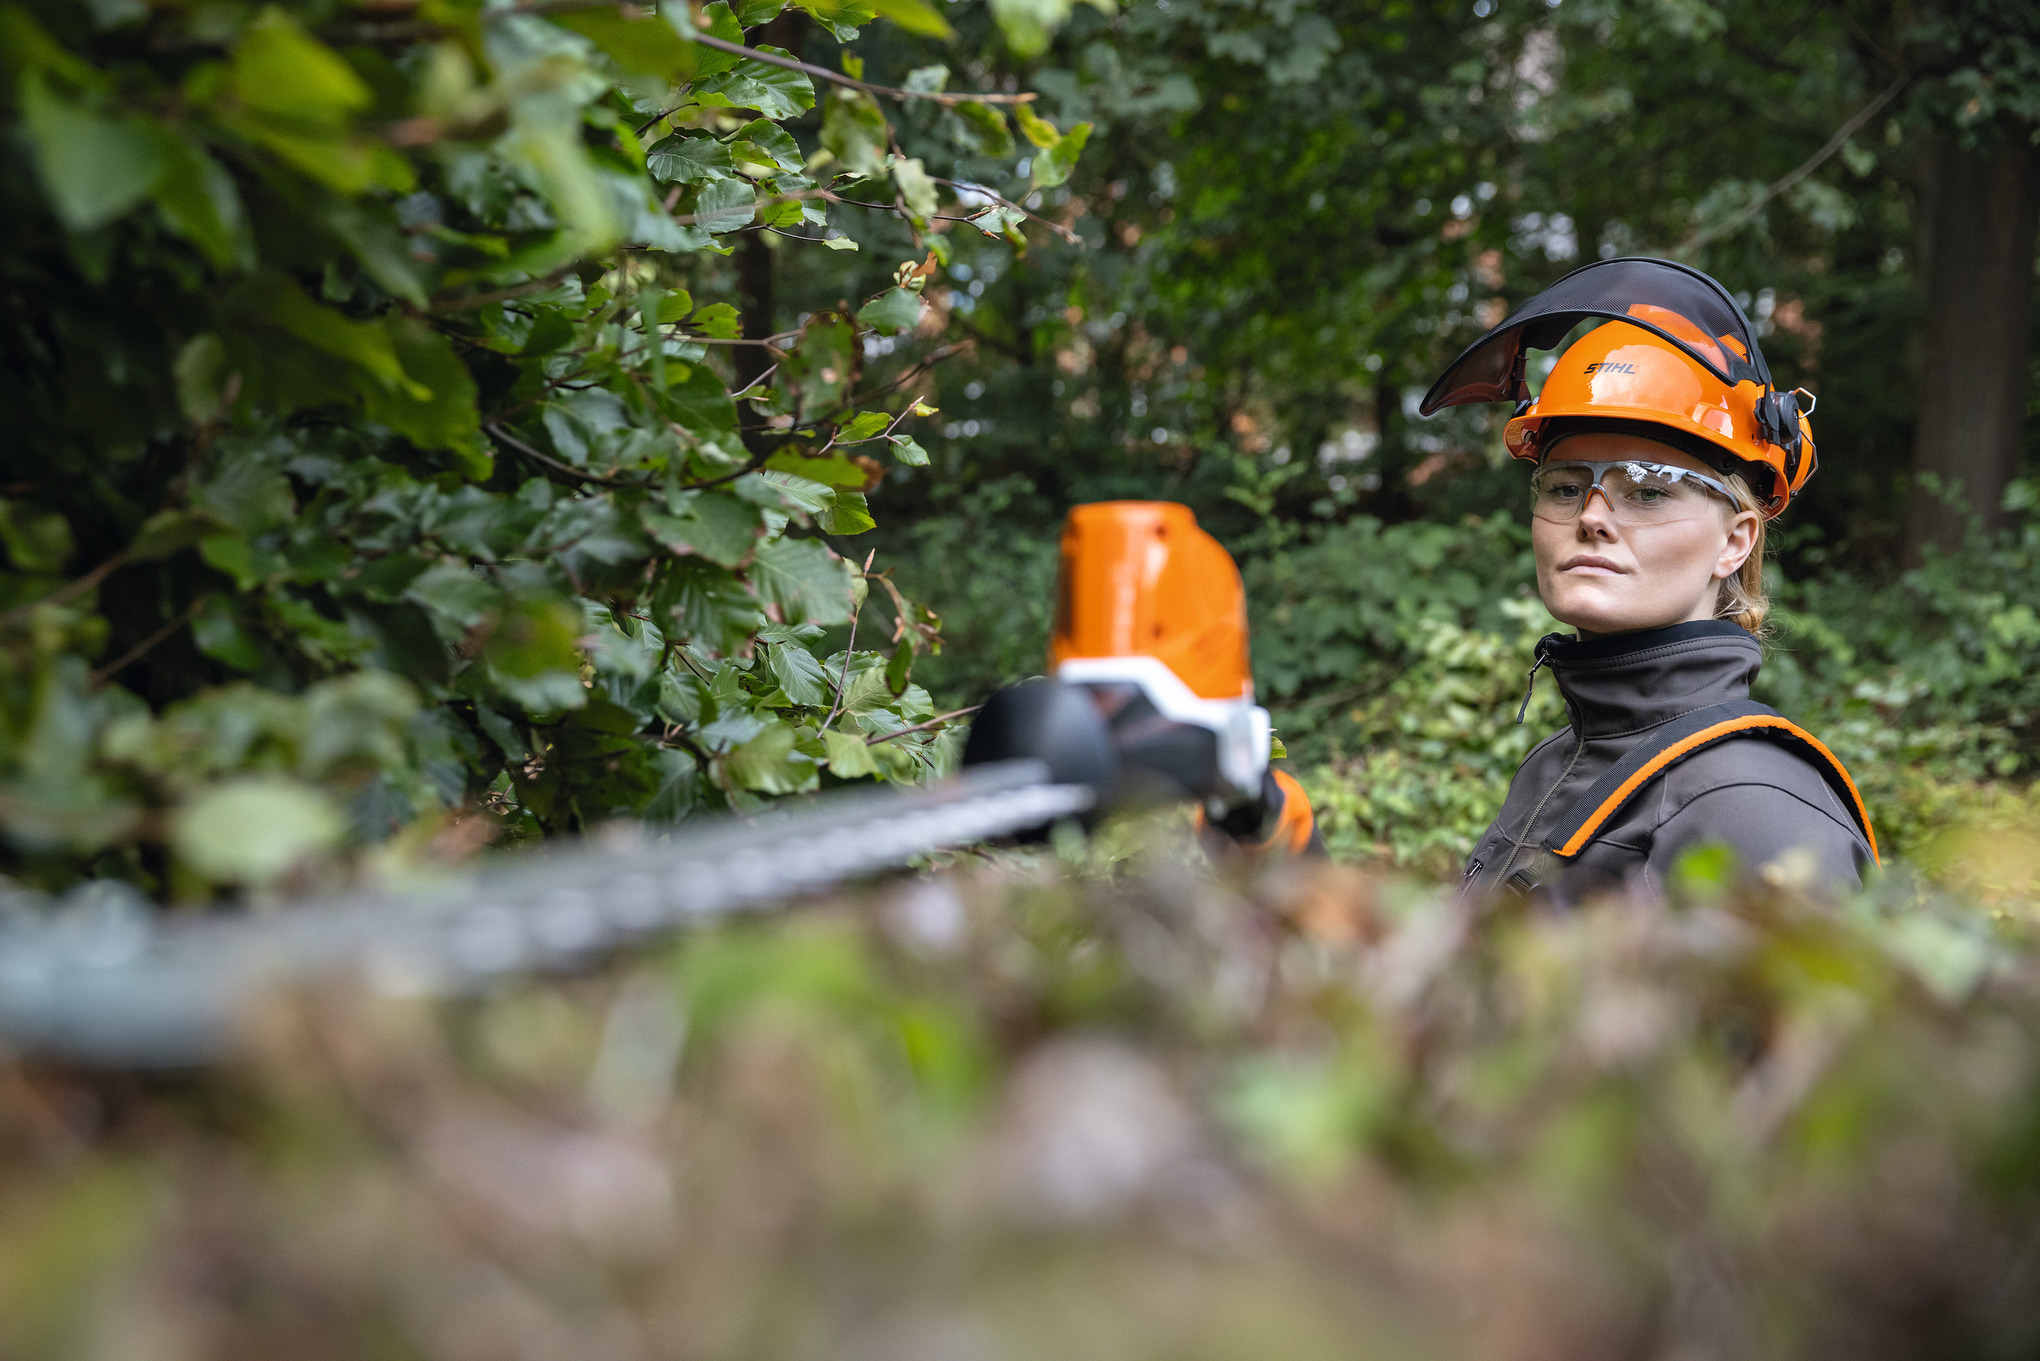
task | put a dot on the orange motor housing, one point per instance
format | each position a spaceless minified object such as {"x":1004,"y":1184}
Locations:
{"x":1140,"y":579}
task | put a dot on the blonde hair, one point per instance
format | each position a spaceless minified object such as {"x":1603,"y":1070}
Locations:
{"x":1742,"y":599}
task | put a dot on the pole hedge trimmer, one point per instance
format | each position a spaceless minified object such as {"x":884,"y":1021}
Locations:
{"x":1148,"y":699}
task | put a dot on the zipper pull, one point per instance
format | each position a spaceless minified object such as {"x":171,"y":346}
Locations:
{"x":1531,"y":688}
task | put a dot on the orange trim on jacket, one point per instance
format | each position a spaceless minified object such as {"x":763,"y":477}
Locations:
{"x":1651,"y":768}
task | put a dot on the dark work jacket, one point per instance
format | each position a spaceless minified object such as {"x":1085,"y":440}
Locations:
{"x":1761,"y":800}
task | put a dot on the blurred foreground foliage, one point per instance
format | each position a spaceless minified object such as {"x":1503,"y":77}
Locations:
{"x":1114,"y":1105}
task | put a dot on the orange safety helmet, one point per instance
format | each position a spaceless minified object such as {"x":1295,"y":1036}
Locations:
{"x":1677,"y":362}
{"x":1140,"y":579}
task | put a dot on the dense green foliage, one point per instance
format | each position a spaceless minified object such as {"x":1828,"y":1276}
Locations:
{"x":1100,"y":1110}
{"x":376,"y":457}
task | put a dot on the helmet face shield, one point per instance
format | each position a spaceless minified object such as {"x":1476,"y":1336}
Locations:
{"x":1681,"y":305}
{"x":1675,"y":355}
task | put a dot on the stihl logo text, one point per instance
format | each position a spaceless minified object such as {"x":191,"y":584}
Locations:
{"x":1611,"y":368}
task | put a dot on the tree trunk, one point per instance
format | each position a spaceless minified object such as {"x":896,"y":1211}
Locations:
{"x":756,"y":308}
{"x":1980,"y":213}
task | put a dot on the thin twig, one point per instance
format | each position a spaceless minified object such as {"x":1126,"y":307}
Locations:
{"x":1064,"y":232}
{"x":694,"y":219}
{"x":505,"y":294}
{"x":139,"y":650}
{"x":549,"y":461}
{"x":69,"y":591}
{"x":749,"y":465}
{"x":402,"y":29}
{"x":1812,"y":163}
{"x":824,"y":73}
{"x":849,"y":650}
{"x":892,"y":208}
{"x":908,"y":375}
{"x":934,"y":722}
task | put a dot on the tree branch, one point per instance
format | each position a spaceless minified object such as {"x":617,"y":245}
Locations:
{"x":596,"y":479}
{"x":934,"y":722}
{"x":69,"y":591}
{"x":1064,"y":232}
{"x":908,"y":375}
{"x":837,"y":77}
{"x":139,"y":650}
{"x":1807,"y":167}
{"x":504,"y":294}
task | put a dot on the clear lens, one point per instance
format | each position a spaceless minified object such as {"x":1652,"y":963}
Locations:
{"x":1637,"y":493}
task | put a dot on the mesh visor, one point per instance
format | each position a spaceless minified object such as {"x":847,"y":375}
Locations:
{"x":1682,"y":305}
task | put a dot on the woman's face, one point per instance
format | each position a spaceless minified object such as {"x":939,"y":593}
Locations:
{"x":1603,"y":577}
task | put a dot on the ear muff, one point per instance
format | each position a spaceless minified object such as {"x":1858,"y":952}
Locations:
{"x":1778,"y":420}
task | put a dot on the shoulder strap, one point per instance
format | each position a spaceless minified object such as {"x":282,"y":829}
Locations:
{"x":1680,"y":738}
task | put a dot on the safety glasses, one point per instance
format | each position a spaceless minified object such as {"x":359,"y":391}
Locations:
{"x":1637,"y":493}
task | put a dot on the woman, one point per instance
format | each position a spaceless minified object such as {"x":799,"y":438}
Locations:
{"x":1661,"y":450}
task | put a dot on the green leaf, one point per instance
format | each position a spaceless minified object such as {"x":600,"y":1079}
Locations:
{"x":681,"y":159}
{"x":94,"y":168}
{"x":899,"y":667}
{"x":36,"y":541}
{"x":849,"y":514}
{"x":892,"y":312}
{"x":724,"y":205}
{"x":832,"y":470}
{"x":841,"y":243}
{"x":840,"y":17}
{"x":799,"y":674}
{"x":863,"y":426}
{"x":1028,"y":24}
{"x":915,"y":16}
{"x":435,"y":407}
{"x":675,"y":305}
{"x":1054,"y":165}
{"x":854,"y":132}
{"x":532,"y":657}
{"x":768,"y":763}
{"x":696,"y":601}
{"x":551,"y":330}
{"x":751,"y":13}
{"x":700,"y":405}
{"x":454,"y":596}
{"x":849,"y":757}
{"x":774,"y":91}
{"x":999,"y":220}
{"x":254,"y":831}
{"x":1038,"y":130}
{"x":643,"y":46}
{"x":718,"y":319}
{"x":198,"y":199}
{"x":790,"y":213}
{"x":915,"y":188}
{"x":201,"y":374}
{"x":909,"y":452}
{"x":809,"y":583}
{"x":983,"y":130}
{"x":280,"y":69}
{"x":721,"y":528}
{"x":801,"y":493}
{"x":772,"y":144}
{"x":169,"y":531}
{"x":362,"y":343}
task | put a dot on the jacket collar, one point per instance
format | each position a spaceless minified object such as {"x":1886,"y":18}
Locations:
{"x":1627,"y":682}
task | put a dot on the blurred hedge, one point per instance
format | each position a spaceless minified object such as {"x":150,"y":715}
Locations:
{"x":1116,"y":1106}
